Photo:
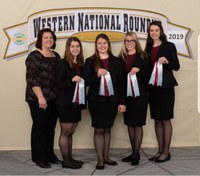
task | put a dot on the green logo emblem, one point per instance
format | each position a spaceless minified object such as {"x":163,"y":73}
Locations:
{"x":19,"y":38}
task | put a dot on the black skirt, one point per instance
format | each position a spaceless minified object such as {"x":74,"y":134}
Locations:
{"x":161,"y":102}
{"x":103,"y":114}
{"x":69,"y":114}
{"x":136,"y":111}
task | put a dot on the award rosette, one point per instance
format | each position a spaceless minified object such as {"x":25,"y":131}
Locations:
{"x":157,"y":75}
{"x":106,"y":86}
{"x":132,"y":86}
{"x":79,"y":93}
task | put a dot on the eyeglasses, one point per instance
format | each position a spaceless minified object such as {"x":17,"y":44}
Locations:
{"x":129,"y":41}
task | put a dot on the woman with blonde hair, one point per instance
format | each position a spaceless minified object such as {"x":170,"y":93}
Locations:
{"x":134,"y":68}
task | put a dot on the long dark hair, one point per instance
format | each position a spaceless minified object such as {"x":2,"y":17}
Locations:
{"x":96,"y":55}
{"x":149,"y":42}
{"x":38,"y":43}
{"x":69,"y":57}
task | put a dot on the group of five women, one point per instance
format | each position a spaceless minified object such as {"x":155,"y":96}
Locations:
{"x":56,"y":88}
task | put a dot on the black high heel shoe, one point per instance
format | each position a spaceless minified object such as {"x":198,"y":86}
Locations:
{"x":164,"y":160}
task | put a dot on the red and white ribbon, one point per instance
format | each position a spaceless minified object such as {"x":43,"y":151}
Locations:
{"x":106,"y":86}
{"x":79,"y":93}
{"x":132,"y":86}
{"x":157,"y":75}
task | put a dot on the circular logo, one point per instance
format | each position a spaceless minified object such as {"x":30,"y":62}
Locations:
{"x":19,"y":38}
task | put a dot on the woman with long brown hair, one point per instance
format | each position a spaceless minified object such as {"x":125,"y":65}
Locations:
{"x":68,"y":74}
{"x":163,"y":58}
{"x":103,"y":75}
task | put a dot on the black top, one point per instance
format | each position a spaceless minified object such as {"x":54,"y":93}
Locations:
{"x":40,"y":71}
{"x":65,"y":86}
{"x":142,"y":75}
{"x":93,"y":81}
{"x":168,"y":50}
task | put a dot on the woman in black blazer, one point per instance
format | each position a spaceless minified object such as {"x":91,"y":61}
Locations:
{"x":68,"y":73}
{"x":162,"y":97}
{"x":133,"y":63}
{"x":104,"y":106}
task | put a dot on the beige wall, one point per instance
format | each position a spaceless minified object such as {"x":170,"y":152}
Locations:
{"x":15,"y":120}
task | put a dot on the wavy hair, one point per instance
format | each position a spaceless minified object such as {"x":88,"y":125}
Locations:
{"x":38,"y":43}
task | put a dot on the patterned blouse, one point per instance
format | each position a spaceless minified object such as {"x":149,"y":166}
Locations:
{"x":40,"y":71}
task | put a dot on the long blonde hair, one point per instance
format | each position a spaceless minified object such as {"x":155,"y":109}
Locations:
{"x":123,"y":53}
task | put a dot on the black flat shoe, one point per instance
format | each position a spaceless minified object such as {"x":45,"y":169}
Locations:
{"x":154,"y":158}
{"x":71,"y":165}
{"x":110,"y":162}
{"x":100,"y":166}
{"x":43,"y":165}
{"x":164,"y":160}
{"x":135,"y":159}
{"x":56,"y":161}
{"x":128,"y":158}
{"x":77,"y":161}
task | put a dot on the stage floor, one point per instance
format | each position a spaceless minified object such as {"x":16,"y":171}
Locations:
{"x":184,"y":161}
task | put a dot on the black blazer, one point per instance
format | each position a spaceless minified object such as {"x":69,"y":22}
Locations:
{"x":142,"y":75}
{"x":93,"y":81}
{"x":168,"y":50}
{"x":65,"y":86}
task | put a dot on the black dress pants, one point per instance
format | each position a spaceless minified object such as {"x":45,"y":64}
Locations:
{"x":43,"y":131}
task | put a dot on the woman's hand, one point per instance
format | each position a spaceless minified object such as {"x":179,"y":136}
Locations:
{"x":41,"y":100}
{"x":76,"y":79}
{"x":42,"y":103}
{"x":163,"y":60}
{"x":134,"y":70}
{"x":101,"y":71}
{"x":121,"y":108}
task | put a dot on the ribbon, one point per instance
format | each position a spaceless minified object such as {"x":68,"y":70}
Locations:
{"x":157,"y":75}
{"x":132,"y":86}
{"x":79,"y":93}
{"x":106,"y":86}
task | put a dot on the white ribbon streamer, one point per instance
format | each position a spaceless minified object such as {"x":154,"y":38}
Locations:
{"x":80,"y":90}
{"x":132,"y":82}
{"x":158,"y":68}
{"x":108,"y":79}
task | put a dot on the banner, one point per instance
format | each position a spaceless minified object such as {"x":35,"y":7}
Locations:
{"x":87,"y":23}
